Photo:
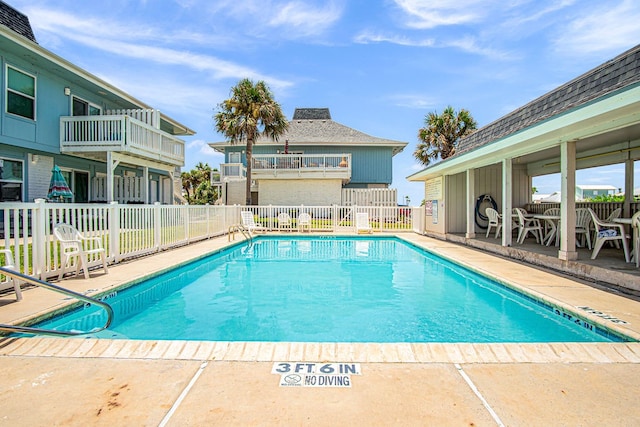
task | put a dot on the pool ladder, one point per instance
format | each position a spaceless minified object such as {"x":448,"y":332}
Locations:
{"x":39,"y":331}
{"x":239,"y":227}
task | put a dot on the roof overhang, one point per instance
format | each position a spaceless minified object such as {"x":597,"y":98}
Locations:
{"x":41,"y":58}
{"x":605,"y":130}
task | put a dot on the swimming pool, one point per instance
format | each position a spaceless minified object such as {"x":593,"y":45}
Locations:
{"x":330,"y":289}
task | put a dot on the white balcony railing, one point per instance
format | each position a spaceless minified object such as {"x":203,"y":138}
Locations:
{"x":119,"y":133}
{"x":287,"y":166}
{"x":232,"y":171}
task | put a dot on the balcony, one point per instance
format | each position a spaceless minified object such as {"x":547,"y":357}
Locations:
{"x":93,"y":136}
{"x":303,"y":166}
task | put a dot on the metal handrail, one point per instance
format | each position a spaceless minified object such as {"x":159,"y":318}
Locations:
{"x":241,"y":229}
{"x":39,"y":331}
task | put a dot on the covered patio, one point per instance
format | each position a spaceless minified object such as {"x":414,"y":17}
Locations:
{"x":590,"y":121}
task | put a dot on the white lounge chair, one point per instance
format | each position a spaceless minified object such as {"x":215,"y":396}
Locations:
{"x":10,"y":264}
{"x":249,"y":223}
{"x":78,"y":248}
{"x":304,"y":221}
{"x":362,"y":223}
{"x":495,"y":220}
{"x":284,"y":221}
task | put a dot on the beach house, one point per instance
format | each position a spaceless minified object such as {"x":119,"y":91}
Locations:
{"x":318,"y":161}
{"x":109,"y":145}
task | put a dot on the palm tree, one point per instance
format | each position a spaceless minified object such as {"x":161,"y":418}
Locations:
{"x":249,"y":112}
{"x":440,"y":137}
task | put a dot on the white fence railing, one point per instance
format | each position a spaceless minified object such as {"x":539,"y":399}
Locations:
{"x":370,"y":196}
{"x":129,"y":231}
{"x":123,"y":133}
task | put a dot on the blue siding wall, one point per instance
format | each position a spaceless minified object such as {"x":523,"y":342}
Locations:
{"x":370,"y":165}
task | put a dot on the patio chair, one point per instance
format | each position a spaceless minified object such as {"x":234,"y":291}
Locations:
{"x":606,"y":232}
{"x":284,"y":221}
{"x":583,"y":222}
{"x":527,"y":225}
{"x":76,"y":249}
{"x":362,"y":223}
{"x":635,"y":227}
{"x":304,"y":221}
{"x":249,"y":223}
{"x":495,"y":220}
{"x":10,"y":264}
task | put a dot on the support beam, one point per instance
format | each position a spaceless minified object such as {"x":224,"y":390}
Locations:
{"x":507,"y":201}
{"x":568,"y":201}
{"x":629,"y":186}
{"x":471,"y":192}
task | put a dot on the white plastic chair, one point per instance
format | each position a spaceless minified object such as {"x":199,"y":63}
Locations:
{"x":635,"y":227}
{"x":583,"y":222}
{"x":606,"y":232}
{"x":304,"y":220}
{"x":78,"y":248}
{"x":284,"y":221}
{"x":528,"y":225}
{"x":10,"y":264}
{"x":249,"y":223}
{"x":362,"y":223}
{"x":495,"y":220}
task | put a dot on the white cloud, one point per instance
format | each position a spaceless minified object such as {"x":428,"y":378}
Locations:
{"x":304,"y":19}
{"x":430,"y":14}
{"x":601,"y":29}
{"x":366,"y":37}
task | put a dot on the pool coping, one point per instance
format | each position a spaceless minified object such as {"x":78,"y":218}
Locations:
{"x":363,"y":352}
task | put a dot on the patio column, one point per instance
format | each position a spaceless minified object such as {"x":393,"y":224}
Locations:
{"x":471,"y":204}
{"x":568,"y":201}
{"x":507,"y":201}
{"x":629,"y":188}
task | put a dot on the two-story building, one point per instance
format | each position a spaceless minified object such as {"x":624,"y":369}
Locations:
{"x":316,"y":162}
{"x":109,"y":145}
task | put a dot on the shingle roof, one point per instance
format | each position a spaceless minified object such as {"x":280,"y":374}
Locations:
{"x":16,"y":21}
{"x":621,"y":71}
{"x":312,"y":114}
{"x":310,"y":126}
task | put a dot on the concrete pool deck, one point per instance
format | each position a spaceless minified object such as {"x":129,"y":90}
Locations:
{"x":50,"y":381}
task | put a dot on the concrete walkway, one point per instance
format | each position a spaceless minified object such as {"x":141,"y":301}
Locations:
{"x":49,"y":381}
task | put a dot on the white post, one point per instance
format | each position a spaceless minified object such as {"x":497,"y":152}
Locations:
{"x":471,"y":191}
{"x":507,"y":201}
{"x":568,"y":201}
{"x":114,"y":231}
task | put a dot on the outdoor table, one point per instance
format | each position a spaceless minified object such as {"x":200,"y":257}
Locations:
{"x":552,"y":220}
{"x":628,"y":221}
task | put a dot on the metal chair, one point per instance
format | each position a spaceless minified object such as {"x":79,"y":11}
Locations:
{"x":76,"y":249}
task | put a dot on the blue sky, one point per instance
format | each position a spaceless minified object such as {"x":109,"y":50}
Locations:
{"x":380,"y":66}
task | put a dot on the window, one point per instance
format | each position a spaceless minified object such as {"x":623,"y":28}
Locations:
{"x":83,"y":108}
{"x":21,"y":93}
{"x":10,"y":180}
{"x":234,"y":157}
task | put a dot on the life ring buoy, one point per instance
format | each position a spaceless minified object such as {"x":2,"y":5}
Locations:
{"x":480,"y":216}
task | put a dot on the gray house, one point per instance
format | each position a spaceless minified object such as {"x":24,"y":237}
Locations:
{"x":318,"y":161}
{"x":109,"y":145}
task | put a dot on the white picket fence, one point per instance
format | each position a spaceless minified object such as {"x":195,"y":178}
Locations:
{"x":130,"y":231}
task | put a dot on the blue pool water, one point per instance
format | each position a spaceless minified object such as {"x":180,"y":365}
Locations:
{"x":327,"y":290}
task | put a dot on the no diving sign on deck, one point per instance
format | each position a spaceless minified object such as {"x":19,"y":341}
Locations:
{"x":309,"y":374}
